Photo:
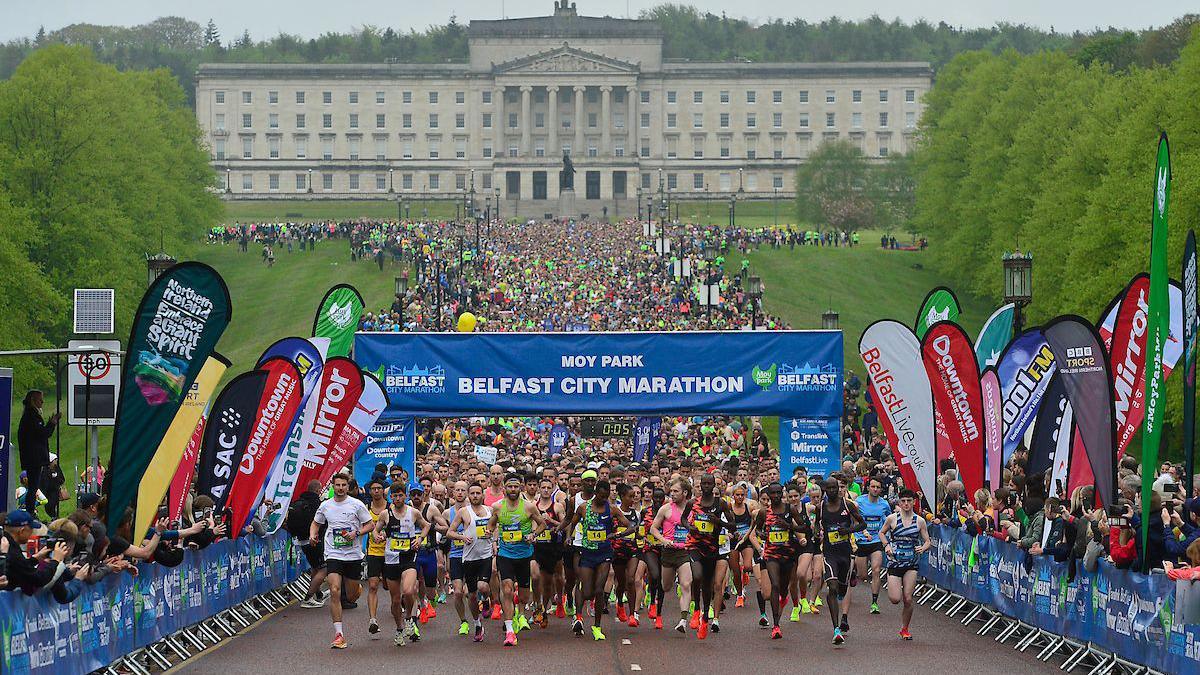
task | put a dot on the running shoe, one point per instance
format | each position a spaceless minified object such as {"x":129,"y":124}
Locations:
{"x":621,"y":615}
{"x":522,"y":622}
{"x":560,"y":611}
{"x":741,"y":602}
{"x":597,"y":635}
{"x":399,"y":640}
{"x":313,"y":603}
{"x":681,"y":626}
{"x":479,"y":632}
{"x":373,"y":627}
{"x":441,"y":598}
{"x":658,"y":624}
{"x":496,"y":609}
{"x":339,"y":642}
{"x":652,"y":612}
{"x":837,"y":637}
{"x":464,"y":628}
{"x":745,"y":579}
{"x":702,"y":631}
{"x":776,"y":633}
{"x":432,"y":612}
{"x":569,"y":610}
{"x":805,"y":608}
{"x":414,"y":633}
{"x":845,"y":625}
{"x":577,"y":627}
{"x":538,"y":617}
{"x":874,"y":607}
{"x":904,"y":634}
{"x":633,"y":620}
{"x":716,"y":627}
{"x":510,"y":639}
{"x":795,"y":614}
{"x":694,"y":624}
{"x":818,"y":602}
{"x":762,"y":621}
{"x":423,"y":616}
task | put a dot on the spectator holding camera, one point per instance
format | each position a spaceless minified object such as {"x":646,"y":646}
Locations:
{"x":31,"y":573}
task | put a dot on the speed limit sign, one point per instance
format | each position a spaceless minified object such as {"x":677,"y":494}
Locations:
{"x":93,"y":383}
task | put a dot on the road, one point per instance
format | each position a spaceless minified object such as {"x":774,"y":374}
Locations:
{"x":297,"y":640}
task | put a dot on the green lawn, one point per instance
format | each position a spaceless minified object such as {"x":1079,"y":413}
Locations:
{"x":862,"y":284}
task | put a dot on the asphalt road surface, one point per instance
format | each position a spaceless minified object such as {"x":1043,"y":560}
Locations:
{"x":297,"y":641}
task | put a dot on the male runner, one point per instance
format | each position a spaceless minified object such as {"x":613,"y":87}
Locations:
{"x":874,"y":510}
{"x":519,"y":524}
{"x":426,"y":559}
{"x":710,"y":518}
{"x":378,"y":505}
{"x":470,"y":529}
{"x":596,"y":518}
{"x":670,"y":527}
{"x":779,"y":531}
{"x":347,"y":520}
{"x":838,"y":518}
{"x":548,"y":548}
{"x":458,"y":501}
{"x":400,"y":530}
{"x":905,"y":537}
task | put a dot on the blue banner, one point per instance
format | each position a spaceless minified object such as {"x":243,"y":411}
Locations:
{"x":1121,"y":611}
{"x":794,"y":373}
{"x":122,"y":613}
{"x":391,"y":442}
{"x":814,"y":443}
{"x":1025,"y":370}
{"x":559,"y":435}
{"x":6,"y":380}
{"x":645,"y":438}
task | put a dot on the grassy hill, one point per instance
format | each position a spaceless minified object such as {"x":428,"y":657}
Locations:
{"x":862,"y":284}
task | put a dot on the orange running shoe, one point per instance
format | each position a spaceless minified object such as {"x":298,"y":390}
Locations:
{"x":339,"y":642}
{"x":561,"y":610}
{"x":653,"y":611}
{"x":633,"y":621}
{"x":423,"y":617}
{"x":496,"y":609}
{"x":694,"y":624}
{"x":658,"y":622}
{"x":702,"y":631}
{"x":621,"y":615}
{"x":776,"y":633}
{"x":741,"y":602}
{"x":432,"y":611}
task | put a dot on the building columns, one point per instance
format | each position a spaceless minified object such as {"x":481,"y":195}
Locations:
{"x":552,"y":121}
{"x":631,"y":123}
{"x":526,"y":120}
{"x":499,"y":147}
{"x":577,"y":150}
{"x":606,"y":120}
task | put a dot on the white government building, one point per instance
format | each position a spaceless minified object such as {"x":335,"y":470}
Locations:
{"x":494,"y":129}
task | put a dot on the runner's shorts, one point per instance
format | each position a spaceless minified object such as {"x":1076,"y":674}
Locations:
{"x":675,"y":557}
{"x":315,"y":555}
{"x":548,"y":556}
{"x":374,"y":566}
{"x":475,"y":571}
{"x":456,"y":569}
{"x":348,"y":569}
{"x":394,"y":571}
{"x":592,"y":559}
{"x":837,"y":568}
{"x":516,"y":569}
{"x":901,"y":570}
{"x":865,"y":550}
{"x":427,"y":567}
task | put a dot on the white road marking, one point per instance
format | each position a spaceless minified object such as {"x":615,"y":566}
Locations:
{"x":626,"y":641}
{"x":634,"y":666}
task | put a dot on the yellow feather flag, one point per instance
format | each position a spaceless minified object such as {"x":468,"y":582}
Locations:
{"x":166,"y":458}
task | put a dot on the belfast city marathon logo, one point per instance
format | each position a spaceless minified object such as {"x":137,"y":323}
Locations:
{"x":413,"y":379}
{"x":790,"y":377}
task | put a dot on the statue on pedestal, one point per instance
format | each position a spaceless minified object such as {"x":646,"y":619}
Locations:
{"x":566,"y":177}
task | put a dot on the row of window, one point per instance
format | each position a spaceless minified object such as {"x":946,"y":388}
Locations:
{"x":433,"y":181}
{"x":539,"y":122}
{"x":433,"y":148}
{"x":564,"y":94}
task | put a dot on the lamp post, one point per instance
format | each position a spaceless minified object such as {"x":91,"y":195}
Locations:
{"x":310,"y":181}
{"x":710,"y":257}
{"x":391,"y":181}
{"x":401,"y":294}
{"x":740,"y":184}
{"x":495,"y":213}
{"x":755,"y":289}
{"x":732,"y":211}
{"x":438,"y":267}
{"x":639,"y":203}
{"x":829,"y":320}
{"x":228,"y":173}
{"x":775,"y":205}
{"x":1018,"y":284}
{"x":157,"y":264}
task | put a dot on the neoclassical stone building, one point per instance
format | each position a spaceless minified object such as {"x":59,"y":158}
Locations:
{"x":534,"y":89}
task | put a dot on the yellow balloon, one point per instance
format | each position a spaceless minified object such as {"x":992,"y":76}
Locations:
{"x":466,"y":322}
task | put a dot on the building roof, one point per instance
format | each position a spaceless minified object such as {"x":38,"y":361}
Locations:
{"x":332,"y":70}
{"x":920,"y":69}
{"x":564,"y":23}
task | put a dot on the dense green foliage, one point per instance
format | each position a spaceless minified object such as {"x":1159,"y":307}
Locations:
{"x":839,"y":189}
{"x":1042,"y":153}
{"x":96,"y":166}
{"x":180,"y":44}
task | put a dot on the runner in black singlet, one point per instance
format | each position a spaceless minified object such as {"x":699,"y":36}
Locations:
{"x":839,"y":518}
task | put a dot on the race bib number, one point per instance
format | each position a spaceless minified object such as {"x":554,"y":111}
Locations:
{"x":641,"y":533}
{"x":343,"y":538}
{"x":399,"y":544}
{"x":780,"y":537}
{"x":723,"y":540}
{"x":680,"y":534}
{"x":704,"y":526}
{"x":481,"y":532}
{"x":597,"y":535}
{"x":544,"y":536}
{"x":835,"y":537}
{"x":454,"y":543}
{"x":513,"y":536}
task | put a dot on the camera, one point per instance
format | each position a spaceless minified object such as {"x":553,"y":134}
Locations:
{"x":1172,"y":488}
{"x":1121,"y":521}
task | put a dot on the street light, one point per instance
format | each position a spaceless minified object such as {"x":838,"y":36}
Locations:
{"x":227,"y":175}
{"x":391,"y":180}
{"x":710,"y":257}
{"x":732,"y":211}
{"x":495,"y":213}
{"x":639,"y":203}
{"x":740,"y":188}
{"x":401,"y":293}
{"x":829,"y":320}
{"x":1018,"y":283}
{"x":775,"y":204}
{"x":157,"y":264}
{"x":755,"y":289}
{"x":310,"y":181}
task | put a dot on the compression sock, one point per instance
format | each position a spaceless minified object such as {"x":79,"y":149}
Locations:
{"x":762,"y":603}
{"x":337,"y":627}
{"x":875,"y":597}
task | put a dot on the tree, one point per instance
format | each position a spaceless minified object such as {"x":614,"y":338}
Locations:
{"x":40,"y":38}
{"x":894,"y":189}
{"x":212,"y":36}
{"x":95,"y":166}
{"x":833,"y":188}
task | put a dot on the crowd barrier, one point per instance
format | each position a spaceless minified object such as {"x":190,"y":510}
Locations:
{"x":1136,"y":617}
{"x":122,"y":613}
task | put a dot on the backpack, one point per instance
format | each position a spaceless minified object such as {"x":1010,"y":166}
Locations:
{"x":300,"y":517}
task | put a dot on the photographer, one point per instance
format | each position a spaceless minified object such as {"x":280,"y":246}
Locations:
{"x":202,"y":512}
{"x":1122,"y":549}
{"x":1181,"y":529}
{"x":30,"y":573}
{"x":1155,"y":529}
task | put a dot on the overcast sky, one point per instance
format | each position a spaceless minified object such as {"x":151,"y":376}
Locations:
{"x":313,"y":17}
